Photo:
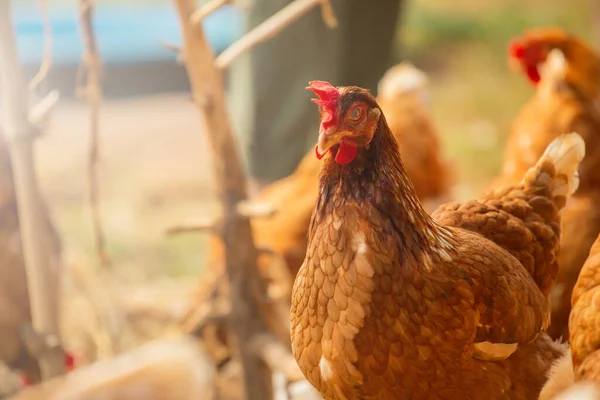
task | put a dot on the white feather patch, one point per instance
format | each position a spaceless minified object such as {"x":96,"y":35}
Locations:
{"x":325,"y":367}
{"x":494,"y":351}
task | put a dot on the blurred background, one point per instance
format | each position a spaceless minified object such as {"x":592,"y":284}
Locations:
{"x":155,"y":169}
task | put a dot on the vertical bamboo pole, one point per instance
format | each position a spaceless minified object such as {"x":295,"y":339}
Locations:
{"x":19,"y":133}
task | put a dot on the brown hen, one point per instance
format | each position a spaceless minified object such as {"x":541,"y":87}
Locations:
{"x":582,"y":364}
{"x":403,"y":95}
{"x":584,"y":321}
{"x":391,"y":304}
{"x":567,"y":74}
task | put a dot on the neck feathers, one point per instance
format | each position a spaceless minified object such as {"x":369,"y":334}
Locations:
{"x":377,"y":177}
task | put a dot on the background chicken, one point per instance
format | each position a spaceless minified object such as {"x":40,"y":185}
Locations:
{"x":15,"y":314}
{"x":404,"y":96}
{"x":566,"y":72}
{"x":390,"y":303}
{"x":583,"y":322}
{"x":405,"y":100}
{"x":173,"y":368}
{"x":582,"y":363}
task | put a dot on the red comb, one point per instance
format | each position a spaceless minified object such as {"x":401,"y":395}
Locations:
{"x":328,"y":97}
{"x":516,"y":49}
{"x":325,"y":90}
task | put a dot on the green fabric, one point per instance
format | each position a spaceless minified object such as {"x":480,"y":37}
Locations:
{"x":271,"y":112}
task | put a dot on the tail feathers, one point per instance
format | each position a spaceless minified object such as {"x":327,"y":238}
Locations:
{"x":400,"y":79}
{"x":558,"y":167}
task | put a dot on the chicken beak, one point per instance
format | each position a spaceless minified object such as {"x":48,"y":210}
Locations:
{"x":329,"y":138}
{"x":515,"y":65}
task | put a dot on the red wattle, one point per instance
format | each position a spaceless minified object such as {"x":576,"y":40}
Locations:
{"x":69,"y":362}
{"x":346,"y":153}
{"x":533,"y":73}
{"x":319,"y":155}
{"x":25,"y":380}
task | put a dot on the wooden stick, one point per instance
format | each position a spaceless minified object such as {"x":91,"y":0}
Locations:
{"x":175,"y":49}
{"x":277,"y":356}
{"x":208,"y":8}
{"x":246,"y":318}
{"x":208,"y":225}
{"x":115,"y":332}
{"x":256,"y":209}
{"x":19,"y":135}
{"x":272,"y":26}
{"x":39,"y":112}
{"x":92,"y":90}
{"x":46,"y":64}
{"x":328,"y":14}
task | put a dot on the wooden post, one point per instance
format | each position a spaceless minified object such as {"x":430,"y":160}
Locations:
{"x":252,"y":342}
{"x":20,"y":133}
{"x":245,"y":320}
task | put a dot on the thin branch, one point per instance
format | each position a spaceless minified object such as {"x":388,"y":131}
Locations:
{"x":175,"y":49}
{"x":115,"y":332}
{"x":92,"y":91}
{"x":208,"y":225}
{"x":206,"y":9}
{"x":272,"y":26}
{"x":213,"y":317}
{"x":171,"y":46}
{"x":277,"y":356}
{"x":328,"y":14}
{"x":39,"y":112}
{"x":256,"y":209}
{"x":247,"y":316}
{"x":46,"y":64}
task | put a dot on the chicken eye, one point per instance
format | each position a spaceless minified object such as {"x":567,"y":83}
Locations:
{"x":356,"y":113}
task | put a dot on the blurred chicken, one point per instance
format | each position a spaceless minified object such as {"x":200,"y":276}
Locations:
{"x":566,"y":72}
{"x":15,"y":316}
{"x":560,"y":377}
{"x":404,"y":97}
{"x":167,"y":369}
{"x":582,"y":364}
{"x":391,"y":303}
{"x":584,"y":321}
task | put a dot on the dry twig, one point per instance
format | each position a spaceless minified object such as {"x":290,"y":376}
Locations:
{"x":208,"y":225}
{"x":256,"y":209}
{"x":39,"y":112}
{"x":246,"y":319}
{"x":46,"y":64}
{"x":277,"y":356}
{"x":208,"y":8}
{"x":92,"y":91}
{"x":272,"y":26}
{"x":175,"y":49}
{"x":251,"y":341}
